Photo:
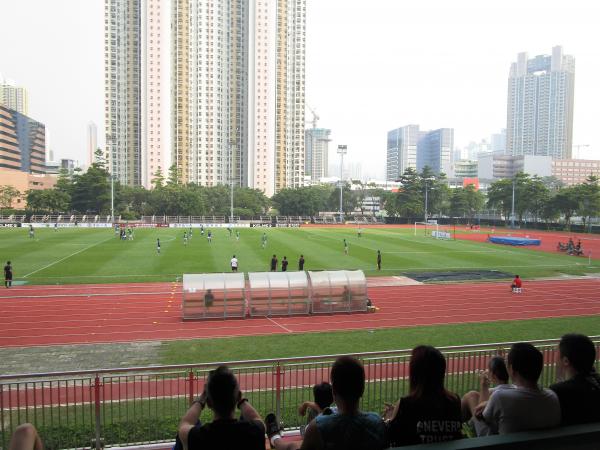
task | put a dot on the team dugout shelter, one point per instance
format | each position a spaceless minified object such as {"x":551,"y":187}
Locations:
{"x":271,"y":294}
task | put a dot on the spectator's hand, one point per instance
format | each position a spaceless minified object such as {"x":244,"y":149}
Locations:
{"x":478,"y":411}
{"x":202,"y":398}
{"x":388,"y":410}
{"x":484,"y":379}
{"x":302,"y":409}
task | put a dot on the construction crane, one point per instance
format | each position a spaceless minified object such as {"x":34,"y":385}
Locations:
{"x":578,"y":147}
{"x":315,"y":117}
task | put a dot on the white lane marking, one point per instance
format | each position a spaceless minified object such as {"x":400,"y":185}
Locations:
{"x":279,"y":325}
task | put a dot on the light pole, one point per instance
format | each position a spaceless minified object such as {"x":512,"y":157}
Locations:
{"x":112,"y":198}
{"x":342,"y":150}
{"x":512,"y":211}
{"x":232,"y":142}
{"x":426,"y":191}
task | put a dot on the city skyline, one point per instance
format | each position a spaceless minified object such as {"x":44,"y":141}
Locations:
{"x":458,"y":82}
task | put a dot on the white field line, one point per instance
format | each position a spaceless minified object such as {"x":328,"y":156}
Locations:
{"x":69,"y":256}
{"x":280,"y":326}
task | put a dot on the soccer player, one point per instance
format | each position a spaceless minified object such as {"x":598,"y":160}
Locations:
{"x":274,"y":264}
{"x":359,"y":232}
{"x":190,"y":234}
{"x":301,"y":263}
{"x":378,"y":260}
{"x":234,"y":264}
{"x":31,"y":236}
{"x":158,"y":245}
{"x":55,"y":227}
{"x":209,"y":236}
{"x":284,"y":264}
{"x":130,"y":234}
{"x":185,"y":238}
{"x":345,"y":247}
{"x":116,"y":229}
{"x":202,"y":230}
{"x":237,"y":235}
{"x":8,"y":275}
{"x":264,"y":240}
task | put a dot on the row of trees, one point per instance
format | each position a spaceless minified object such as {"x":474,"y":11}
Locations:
{"x":535,"y":198}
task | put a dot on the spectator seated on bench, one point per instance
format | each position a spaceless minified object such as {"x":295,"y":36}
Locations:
{"x":321,"y":404}
{"x":222,"y":394}
{"x":429,"y":413}
{"x":579,"y":388}
{"x":561,"y":247}
{"x":349,"y":428}
{"x":496,"y":374}
{"x":527,"y":406}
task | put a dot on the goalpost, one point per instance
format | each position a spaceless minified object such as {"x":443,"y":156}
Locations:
{"x":434,"y":230}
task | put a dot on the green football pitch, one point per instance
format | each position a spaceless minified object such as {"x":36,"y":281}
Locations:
{"x":98,"y":256}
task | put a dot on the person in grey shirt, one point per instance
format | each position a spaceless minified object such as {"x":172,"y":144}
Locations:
{"x":526,"y":407}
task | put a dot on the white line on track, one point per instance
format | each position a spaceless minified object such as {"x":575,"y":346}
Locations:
{"x":68,"y":256}
{"x":86,"y":294}
{"x":280,"y":326}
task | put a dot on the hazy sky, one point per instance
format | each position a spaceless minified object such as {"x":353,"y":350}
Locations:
{"x":371,"y":65}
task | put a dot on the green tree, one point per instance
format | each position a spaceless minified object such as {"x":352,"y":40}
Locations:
{"x":466,"y":202}
{"x":7,"y":195}
{"x":158,"y":180}
{"x":48,"y":200}
{"x":589,"y":199}
{"x":91,"y":190}
{"x":566,"y":202}
{"x":174,"y":175}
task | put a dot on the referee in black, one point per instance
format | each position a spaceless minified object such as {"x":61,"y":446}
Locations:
{"x":8,"y":275}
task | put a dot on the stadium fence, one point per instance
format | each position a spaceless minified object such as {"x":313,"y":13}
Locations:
{"x":138,"y":405}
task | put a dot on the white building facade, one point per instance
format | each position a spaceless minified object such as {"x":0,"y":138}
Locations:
{"x":540,"y":105}
{"x":136,"y":89}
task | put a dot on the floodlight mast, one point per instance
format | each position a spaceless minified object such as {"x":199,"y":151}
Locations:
{"x":342,"y":150}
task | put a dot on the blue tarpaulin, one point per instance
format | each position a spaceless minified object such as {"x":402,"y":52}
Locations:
{"x":509,"y":240}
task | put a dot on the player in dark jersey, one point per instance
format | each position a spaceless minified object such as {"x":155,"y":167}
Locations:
{"x":378,"y":260}
{"x":8,"y":275}
{"x":274,"y":263}
{"x":301,"y":263}
{"x":158,"y":245}
{"x":284,"y":264}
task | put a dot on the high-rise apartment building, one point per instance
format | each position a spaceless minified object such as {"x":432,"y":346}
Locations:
{"x":498,"y":141}
{"x":238,"y":92}
{"x":22,"y":142}
{"x":401,"y":151}
{"x":540,"y":105}
{"x":209,"y":76}
{"x":316,"y":158}
{"x":434,"y":150}
{"x":290,"y":114}
{"x":136,"y":88}
{"x":14,"y":97}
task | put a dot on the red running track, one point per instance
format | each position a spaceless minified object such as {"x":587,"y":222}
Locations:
{"x":53,"y":315}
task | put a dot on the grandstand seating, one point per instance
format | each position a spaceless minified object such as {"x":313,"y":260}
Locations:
{"x":275,"y":385}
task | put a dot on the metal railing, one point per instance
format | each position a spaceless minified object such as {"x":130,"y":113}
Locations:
{"x":144,"y":404}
